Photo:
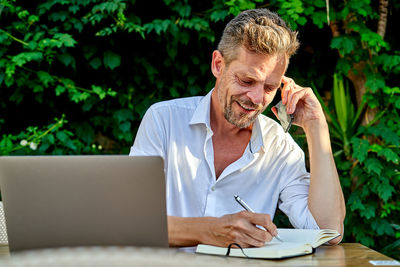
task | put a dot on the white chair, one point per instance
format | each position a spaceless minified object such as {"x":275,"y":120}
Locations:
{"x":3,"y":229}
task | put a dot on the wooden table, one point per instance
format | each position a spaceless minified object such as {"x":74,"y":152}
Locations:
{"x":346,"y":254}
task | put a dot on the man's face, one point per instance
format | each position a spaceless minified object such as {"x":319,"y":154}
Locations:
{"x":248,"y":85}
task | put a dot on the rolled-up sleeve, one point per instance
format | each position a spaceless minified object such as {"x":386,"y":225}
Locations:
{"x":293,"y":199}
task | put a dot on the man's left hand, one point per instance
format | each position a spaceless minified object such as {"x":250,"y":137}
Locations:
{"x":301,"y":102}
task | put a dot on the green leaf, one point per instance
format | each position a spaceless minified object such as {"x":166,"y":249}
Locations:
{"x":123,"y":115}
{"x":344,"y":44}
{"x":173,"y":92}
{"x":389,"y":154}
{"x":343,"y":106}
{"x":45,"y":78}
{"x":50,"y":138}
{"x":373,"y":165}
{"x":384,"y":189}
{"x":360,"y":148}
{"x":302,"y":21}
{"x":382,"y":227}
{"x":59,"y":90}
{"x":99,"y":91}
{"x":78,"y":96}
{"x":58,"y":16}
{"x":368,"y":212}
{"x":355,"y":202}
{"x":25,"y":57}
{"x":111,"y":60}
{"x":74,"y":9}
{"x":70,"y":144}
{"x":218,"y":15}
{"x":95,"y":63}
{"x":67,"y":60}
{"x":63,"y":137}
{"x":389,"y":62}
{"x":364,"y":239}
{"x":381,"y":130}
{"x":37,"y":88}
{"x":319,"y":19}
{"x":125,"y":126}
{"x":64,"y":40}
{"x":375,"y":83}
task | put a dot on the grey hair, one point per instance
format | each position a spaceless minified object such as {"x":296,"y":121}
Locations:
{"x":260,"y":31}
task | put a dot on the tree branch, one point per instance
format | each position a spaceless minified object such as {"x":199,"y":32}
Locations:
{"x":334,"y":28}
{"x":383,"y":12}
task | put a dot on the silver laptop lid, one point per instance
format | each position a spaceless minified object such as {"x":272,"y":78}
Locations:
{"x":53,"y":201}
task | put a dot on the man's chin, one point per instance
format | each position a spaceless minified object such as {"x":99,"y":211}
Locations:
{"x":242,"y":122}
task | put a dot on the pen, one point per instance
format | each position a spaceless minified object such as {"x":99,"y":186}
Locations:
{"x":246,"y":207}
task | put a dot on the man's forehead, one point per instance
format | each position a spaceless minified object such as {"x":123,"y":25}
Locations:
{"x":270,"y":74}
{"x":259,"y":66}
{"x":270,"y":81}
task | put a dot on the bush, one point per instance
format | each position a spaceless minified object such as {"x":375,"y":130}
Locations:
{"x":77,"y":76}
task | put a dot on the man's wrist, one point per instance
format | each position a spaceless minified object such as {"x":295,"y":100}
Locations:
{"x":315,"y":126}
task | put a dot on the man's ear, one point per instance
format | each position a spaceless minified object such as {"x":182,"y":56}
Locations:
{"x":217,"y":63}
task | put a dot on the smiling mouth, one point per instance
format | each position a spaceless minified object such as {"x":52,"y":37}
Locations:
{"x":245,"y":107}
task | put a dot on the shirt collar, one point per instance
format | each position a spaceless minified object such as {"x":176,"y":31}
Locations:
{"x":201,"y":115}
{"x":256,"y":140}
{"x":202,"y":111}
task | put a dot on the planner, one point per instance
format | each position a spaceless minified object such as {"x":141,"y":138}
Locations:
{"x":296,"y":242}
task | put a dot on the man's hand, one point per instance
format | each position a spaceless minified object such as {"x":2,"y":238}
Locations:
{"x":241,"y":228}
{"x":237,"y":228}
{"x":301,"y":102}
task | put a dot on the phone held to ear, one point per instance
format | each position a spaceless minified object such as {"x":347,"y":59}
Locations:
{"x":284,"y":118}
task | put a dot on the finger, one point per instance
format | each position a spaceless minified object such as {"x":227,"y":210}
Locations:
{"x":284,"y":92}
{"x":247,"y":224}
{"x":287,"y":82}
{"x":260,"y":234}
{"x":250,"y":241}
{"x":265,"y":221}
{"x":246,"y":234}
{"x":294,"y":99}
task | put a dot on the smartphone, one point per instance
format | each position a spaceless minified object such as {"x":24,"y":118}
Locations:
{"x":285,"y":119}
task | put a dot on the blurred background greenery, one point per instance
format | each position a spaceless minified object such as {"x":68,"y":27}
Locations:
{"x":77,"y":76}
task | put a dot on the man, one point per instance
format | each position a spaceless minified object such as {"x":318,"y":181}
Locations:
{"x":220,"y":145}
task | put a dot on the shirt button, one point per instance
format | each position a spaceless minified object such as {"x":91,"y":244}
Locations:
{"x":213,"y":188}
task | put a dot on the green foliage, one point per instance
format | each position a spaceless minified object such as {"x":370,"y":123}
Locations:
{"x":53,"y":139}
{"x":103,"y":63}
{"x":366,"y":155}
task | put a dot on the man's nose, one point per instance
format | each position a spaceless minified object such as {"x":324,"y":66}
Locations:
{"x":256,"y":95}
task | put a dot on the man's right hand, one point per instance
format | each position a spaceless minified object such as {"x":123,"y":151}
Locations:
{"x":237,"y":228}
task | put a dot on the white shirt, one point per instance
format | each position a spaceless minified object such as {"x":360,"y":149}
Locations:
{"x":271,"y":170}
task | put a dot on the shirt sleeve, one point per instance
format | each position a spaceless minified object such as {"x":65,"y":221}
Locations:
{"x":150,"y":138}
{"x":293,"y":199}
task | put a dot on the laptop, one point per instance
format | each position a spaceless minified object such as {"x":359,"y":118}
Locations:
{"x":58,"y":201}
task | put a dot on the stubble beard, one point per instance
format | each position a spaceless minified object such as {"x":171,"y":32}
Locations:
{"x":242,"y":120}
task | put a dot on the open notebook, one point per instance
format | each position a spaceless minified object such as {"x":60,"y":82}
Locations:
{"x":297,"y":242}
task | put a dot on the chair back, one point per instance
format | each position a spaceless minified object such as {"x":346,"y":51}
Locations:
{"x":3,"y":229}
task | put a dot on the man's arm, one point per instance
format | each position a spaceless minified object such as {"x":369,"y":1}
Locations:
{"x":325,"y":201}
{"x":232,"y":228}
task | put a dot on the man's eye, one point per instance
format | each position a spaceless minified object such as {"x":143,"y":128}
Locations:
{"x":268,"y":89}
{"x":248,"y":82}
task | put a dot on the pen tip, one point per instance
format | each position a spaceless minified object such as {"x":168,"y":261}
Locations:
{"x":235,"y":196}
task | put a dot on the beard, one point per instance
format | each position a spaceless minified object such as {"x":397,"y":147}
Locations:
{"x":242,"y":119}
